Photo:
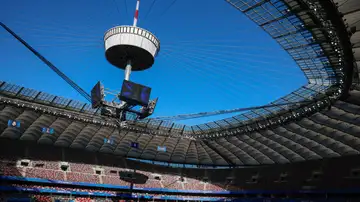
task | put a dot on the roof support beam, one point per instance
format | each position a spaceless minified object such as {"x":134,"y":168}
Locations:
{"x":297,"y":94}
{"x":97,"y":110}
{"x":311,"y":58}
{"x":159,"y":125}
{"x":53,"y":100}
{"x":227,"y":122}
{"x":304,"y":45}
{"x":83,"y":107}
{"x":256,"y":5}
{"x":182,"y":130}
{"x":350,"y":12}
{"x":289,"y":33}
{"x":276,"y":19}
{"x":21,"y":89}
{"x":216,"y":124}
{"x":147,"y":123}
{"x":37,"y":95}
{"x":68,"y":104}
{"x":171,"y":127}
{"x":239,"y":121}
{"x":311,"y":89}
{"x":201,"y":130}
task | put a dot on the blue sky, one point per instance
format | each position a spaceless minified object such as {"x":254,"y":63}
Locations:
{"x":212,"y":56}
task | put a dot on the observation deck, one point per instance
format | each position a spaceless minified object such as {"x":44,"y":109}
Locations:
{"x":124,"y":43}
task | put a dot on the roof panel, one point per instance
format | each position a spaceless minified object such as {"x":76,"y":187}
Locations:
{"x":245,"y":4}
{"x":29,"y":93}
{"x":45,"y":98}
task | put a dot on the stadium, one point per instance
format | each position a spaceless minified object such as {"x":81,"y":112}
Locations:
{"x":304,"y":146}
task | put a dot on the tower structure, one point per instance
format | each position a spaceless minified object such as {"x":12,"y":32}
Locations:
{"x":130,"y":47}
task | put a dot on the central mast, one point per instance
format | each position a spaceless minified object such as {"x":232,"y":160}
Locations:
{"x":128,"y":63}
{"x":132,"y":48}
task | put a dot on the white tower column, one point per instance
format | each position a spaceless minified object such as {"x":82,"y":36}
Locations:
{"x":128,"y":70}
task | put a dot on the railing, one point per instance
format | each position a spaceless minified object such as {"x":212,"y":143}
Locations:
{"x":133,"y":30}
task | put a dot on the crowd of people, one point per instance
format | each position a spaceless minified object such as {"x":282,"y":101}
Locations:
{"x":51,"y":198}
{"x":44,"y":198}
{"x":77,"y":172}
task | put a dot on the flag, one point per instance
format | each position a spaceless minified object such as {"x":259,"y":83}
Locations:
{"x":48,"y":130}
{"x":108,"y":141}
{"x":161,"y":148}
{"x":135,"y":145}
{"x":14,"y":123}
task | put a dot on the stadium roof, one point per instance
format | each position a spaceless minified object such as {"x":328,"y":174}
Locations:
{"x":303,"y":133}
{"x":325,"y":134}
{"x":351,"y":11}
{"x":304,"y":29}
{"x":298,"y":26}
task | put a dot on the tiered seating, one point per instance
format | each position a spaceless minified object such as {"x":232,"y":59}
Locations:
{"x":103,"y":200}
{"x":84,"y":200}
{"x":62,"y":188}
{"x":45,"y":173}
{"x":113,"y":180}
{"x":171,"y":182}
{"x":82,"y":168}
{"x":213,"y":187}
{"x":9,"y":169}
{"x":111,"y":171}
{"x":74,"y":199}
{"x":144,"y":172}
{"x":151,"y":183}
{"x":53,"y":165}
{"x":193,"y":184}
{"x":82,"y":177}
{"x":78,"y":172}
{"x":42,"y":198}
{"x":185,"y":196}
